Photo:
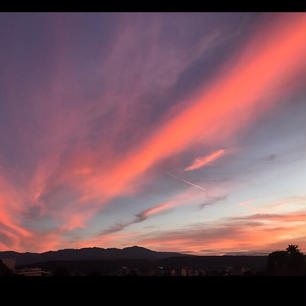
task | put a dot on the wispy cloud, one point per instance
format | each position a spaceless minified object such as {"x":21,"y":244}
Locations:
{"x":290,"y":217}
{"x":86,"y":145}
{"x":232,"y":235}
{"x":212,"y":201}
{"x":206,"y":114}
{"x":184,"y":198}
{"x":203,"y":161}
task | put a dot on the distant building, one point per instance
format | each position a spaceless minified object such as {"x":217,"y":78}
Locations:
{"x":196,"y":272}
{"x":183,"y":272}
{"x":124,"y":271}
{"x":189,"y":272}
{"x":160,"y":271}
{"x":33,"y":272}
{"x":202,"y":272}
{"x":173,"y":272}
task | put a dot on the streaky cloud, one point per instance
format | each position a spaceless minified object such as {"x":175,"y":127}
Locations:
{"x":204,"y":160}
{"x":212,"y":201}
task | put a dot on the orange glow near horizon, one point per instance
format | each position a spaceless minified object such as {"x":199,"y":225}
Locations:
{"x":262,"y":238}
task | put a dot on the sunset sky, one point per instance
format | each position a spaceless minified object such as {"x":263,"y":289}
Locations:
{"x":176,"y":132}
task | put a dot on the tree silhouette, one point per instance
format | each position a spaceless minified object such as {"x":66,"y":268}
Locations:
{"x":296,"y":263}
{"x":292,"y":249}
{"x":277,"y":262}
{"x":289,"y":262}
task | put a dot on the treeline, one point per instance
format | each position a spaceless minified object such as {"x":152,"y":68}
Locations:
{"x":289,"y":262}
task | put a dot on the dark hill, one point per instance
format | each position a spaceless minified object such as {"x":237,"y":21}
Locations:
{"x":88,"y":254}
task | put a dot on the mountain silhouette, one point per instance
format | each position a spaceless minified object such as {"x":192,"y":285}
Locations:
{"x":87,"y":254}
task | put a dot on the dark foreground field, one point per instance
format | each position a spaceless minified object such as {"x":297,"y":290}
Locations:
{"x":215,"y":290}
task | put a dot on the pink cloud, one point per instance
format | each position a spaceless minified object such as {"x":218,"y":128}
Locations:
{"x":244,"y":86}
{"x":203,"y":161}
{"x":234,"y":234}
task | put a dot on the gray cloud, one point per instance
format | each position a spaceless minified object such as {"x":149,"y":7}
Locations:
{"x":212,"y":201}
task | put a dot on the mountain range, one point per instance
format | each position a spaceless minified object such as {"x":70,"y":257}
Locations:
{"x":89,"y":254}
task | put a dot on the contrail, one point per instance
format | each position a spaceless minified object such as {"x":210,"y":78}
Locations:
{"x":187,"y":182}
